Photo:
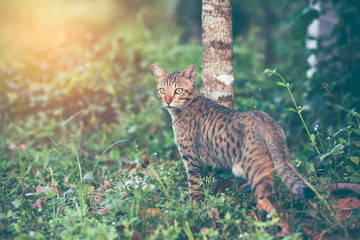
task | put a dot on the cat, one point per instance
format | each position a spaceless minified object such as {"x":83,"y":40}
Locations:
{"x":207,"y":134}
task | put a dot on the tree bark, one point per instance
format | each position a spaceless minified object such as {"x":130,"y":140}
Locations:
{"x":217,"y":80}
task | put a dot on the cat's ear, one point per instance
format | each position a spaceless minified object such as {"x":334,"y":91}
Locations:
{"x":189,"y":73}
{"x":158,"y":72}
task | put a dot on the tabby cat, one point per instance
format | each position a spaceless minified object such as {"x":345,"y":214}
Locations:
{"x":207,"y":134}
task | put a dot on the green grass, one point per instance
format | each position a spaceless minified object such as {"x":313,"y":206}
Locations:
{"x":67,"y":184}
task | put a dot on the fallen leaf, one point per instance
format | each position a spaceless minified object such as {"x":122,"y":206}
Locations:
{"x":153,"y":211}
{"x":107,"y":184}
{"x":216,"y":217}
{"x":39,"y":189}
{"x":348,"y":203}
{"x":345,"y":209}
{"x":150,"y":212}
{"x":204,"y":229}
{"x":154,"y":199}
{"x":37,"y":204}
{"x":345,"y":206}
{"x":216,"y":214}
{"x":137,"y":235}
{"x":103,"y":211}
{"x":104,"y":186}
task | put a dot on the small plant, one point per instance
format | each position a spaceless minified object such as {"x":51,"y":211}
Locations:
{"x":337,"y":161}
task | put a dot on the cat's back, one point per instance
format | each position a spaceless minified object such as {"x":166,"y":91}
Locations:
{"x":213,"y":119}
{"x":204,"y":107}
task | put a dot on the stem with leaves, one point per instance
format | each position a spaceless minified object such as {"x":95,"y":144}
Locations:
{"x":311,"y":136}
{"x":297,"y":109}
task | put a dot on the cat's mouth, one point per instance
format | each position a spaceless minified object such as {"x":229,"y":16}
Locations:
{"x":168,"y":106}
{"x":171,"y":107}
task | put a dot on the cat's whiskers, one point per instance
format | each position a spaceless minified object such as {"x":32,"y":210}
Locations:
{"x":157,"y":107}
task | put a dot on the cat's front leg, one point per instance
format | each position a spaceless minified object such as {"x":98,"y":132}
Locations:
{"x":195,"y":169}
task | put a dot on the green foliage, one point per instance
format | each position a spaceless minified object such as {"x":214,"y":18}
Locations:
{"x":87,"y":152}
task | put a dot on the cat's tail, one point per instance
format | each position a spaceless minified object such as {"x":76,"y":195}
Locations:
{"x":291,"y":178}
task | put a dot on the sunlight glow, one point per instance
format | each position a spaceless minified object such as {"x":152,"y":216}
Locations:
{"x":40,"y":23}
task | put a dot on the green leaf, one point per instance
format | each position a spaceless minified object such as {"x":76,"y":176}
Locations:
{"x":290,"y":109}
{"x":50,"y":193}
{"x":341,"y":140}
{"x":337,"y":149}
{"x":338,"y":132}
{"x":16,"y":203}
{"x":110,"y":89}
{"x":281,"y":84}
{"x":355,"y":160}
{"x":303,"y":107}
{"x":2,"y":216}
{"x":88,"y":176}
{"x":324,"y":156}
{"x":272,"y":72}
{"x":312,"y":137}
{"x":9,"y":213}
{"x":227,"y":216}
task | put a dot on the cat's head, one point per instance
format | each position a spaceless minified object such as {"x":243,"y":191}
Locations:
{"x":175,"y":89}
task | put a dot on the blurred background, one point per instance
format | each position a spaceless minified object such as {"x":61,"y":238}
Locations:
{"x":78,"y":70}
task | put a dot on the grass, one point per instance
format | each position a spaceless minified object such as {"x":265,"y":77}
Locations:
{"x":96,"y":187}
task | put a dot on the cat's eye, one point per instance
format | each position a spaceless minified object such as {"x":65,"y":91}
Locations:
{"x":178,"y":90}
{"x":162,"y":90}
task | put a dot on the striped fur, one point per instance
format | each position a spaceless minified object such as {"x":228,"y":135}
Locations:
{"x":207,"y":134}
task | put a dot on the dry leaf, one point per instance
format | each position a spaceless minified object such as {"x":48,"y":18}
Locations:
{"x":137,"y":235}
{"x":216,"y":217}
{"x":37,"y":204}
{"x":107,"y":184}
{"x":39,"y":189}
{"x":348,"y":203}
{"x":345,"y":209}
{"x":103,"y":211}
{"x":103,"y":187}
{"x":345,"y":206}
{"x":150,"y":212}
{"x":153,"y":211}
{"x":216,"y":214}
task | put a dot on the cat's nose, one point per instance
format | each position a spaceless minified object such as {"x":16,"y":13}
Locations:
{"x":168,"y":100}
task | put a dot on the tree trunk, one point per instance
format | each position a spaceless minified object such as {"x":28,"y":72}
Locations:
{"x":217,"y":80}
